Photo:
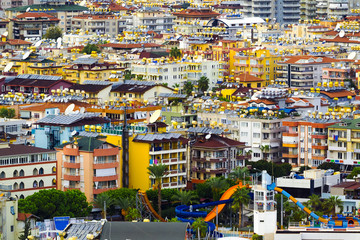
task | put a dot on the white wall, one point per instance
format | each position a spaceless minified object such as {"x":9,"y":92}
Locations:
{"x":265,"y":222}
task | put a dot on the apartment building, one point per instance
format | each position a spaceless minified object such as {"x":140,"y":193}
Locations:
{"x":171,"y":72}
{"x":260,"y":63}
{"x":195,"y":14}
{"x":258,"y":8}
{"x":89,"y":165}
{"x":305,"y":141}
{"x":302,"y":71}
{"x":262,"y":136}
{"x":154,"y":18}
{"x":27,"y":169}
{"x":31,"y":25}
{"x":338,"y":8}
{"x":287,"y":11}
{"x":308,"y":9}
{"x":99,"y":24}
{"x":215,"y":156}
{"x":344,"y":142}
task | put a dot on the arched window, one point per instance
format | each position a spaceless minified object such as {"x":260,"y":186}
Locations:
{"x":21,"y":173}
{"x":22,"y":196}
{"x":2,"y":174}
{"x":54,"y":170}
{"x":41,"y":171}
{"x":21,"y":186}
{"x":54,"y":182}
{"x":35,"y":184}
{"x":16,"y":186}
{"x":15,"y":173}
{"x":41,"y":183}
{"x":35,"y":171}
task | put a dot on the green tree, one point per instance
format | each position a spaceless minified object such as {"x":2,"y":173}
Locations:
{"x":333,"y":202}
{"x":176,"y":85}
{"x":203,"y":190}
{"x":265,"y":149}
{"x":89,"y":48}
{"x":329,"y":165}
{"x":314,"y":202}
{"x":354,"y":173}
{"x":175,"y":53}
{"x":124,"y":204}
{"x":7,"y":112}
{"x":240,"y":174}
{"x":27,"y":231}
{"x":185,"y":197}
{"x":128,"y":75}
{"x":133,"y":214}
{"x":158,"y":171}
{"x":241,"y":197}
{"x":174,"y":220}
{"x":53,"y":33}
{"x":104,"y":202}
{"x":188,"y":88}
{"x":52,"y":203}
{"x":217,"y":185}
{"x":293,"y":213}
{"x":256,"y":237}
{"x":203,"y":84}
{"x":199,"y":225}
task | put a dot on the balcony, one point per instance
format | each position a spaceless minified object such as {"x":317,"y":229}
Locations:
{"x":318,"y":157}
{"x":290,"y":155}
{"x":103,"y":189}
{"x":104,"y":165}
{"x":71,"y":164}
{"x":160,"y":150}
{"x":319,"y":146}
{"x":179,"y":184}
{"x":106,"y":178}
{"x":71,"y":177}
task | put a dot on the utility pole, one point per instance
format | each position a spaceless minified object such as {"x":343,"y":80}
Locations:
{"x":125,"y":152}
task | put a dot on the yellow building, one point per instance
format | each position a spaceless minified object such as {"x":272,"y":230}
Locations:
{"x":260,"y":63}
{"x":154,"y":148}
{"x":90,"y":69}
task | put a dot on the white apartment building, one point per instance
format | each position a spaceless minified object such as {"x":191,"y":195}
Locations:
{"x":256,"y":133}
{"x":177,"y":72}
{"x":27,"y":169}
{"x":154,"y":18}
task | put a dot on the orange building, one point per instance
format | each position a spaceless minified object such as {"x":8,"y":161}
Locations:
{"x":89,"y":165}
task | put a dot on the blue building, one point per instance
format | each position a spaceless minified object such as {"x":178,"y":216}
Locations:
{"x":53,"y":130}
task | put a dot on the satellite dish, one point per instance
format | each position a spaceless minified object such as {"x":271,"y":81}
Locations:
{"x":155,"y":116}
{"x":73,"y":133}
{"x":6,"y":33}
{"x":38,"y":43}
{"x":8,"y":66}
{"x":28,"y":9}
{"x":342,"y":33}
{"x":82,"y":110}
{"x":352,"y":55}
{"x":26,"y":55}
{"x":69,"y":109}
{"x":207,"y":137}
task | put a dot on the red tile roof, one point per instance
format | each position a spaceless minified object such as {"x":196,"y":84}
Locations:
{"x":216,"y":141}
{"x":342,"y":93}
{"x":246,"y":77}
{"x":18,"y":42}
{"x":196,"y":13}
{"x":296,"y":59}
{"x":265,"y":101}
{"x":95,"y":17}
{"x":340,"y":40}
{"x":36,"y":15}
{"x":130,"y":46}
{"x":24,"y":216}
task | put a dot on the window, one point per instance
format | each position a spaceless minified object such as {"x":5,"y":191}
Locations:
{"x":35,"y":171}
{"x":16,"y":186}
{"x":15,"y":174}
{"x":244,"y":134}
{"x":256,"y":135}
{"x":72,"y":159}
{"x":21,"y":173}
{"x":35,"y":184}
{"x":41,"y":171}
{"x":257,"y":155}
{"x":2,"y":174}
{"x":244,"y":124}
{"x":22,"y":196}
{"x":256,"y":125}
{"x":41,"y":183}
{"x":53,"y":182}
{"x":22,"y":185}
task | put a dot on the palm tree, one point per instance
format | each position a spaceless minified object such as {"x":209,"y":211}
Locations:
{"x":239,"y":173}
{"x":241,"y":197}
{"x":185,"y":197}
{"x":203,"y":84}
{"x":217,"y":185}
{"x":158,"y":171}
{"x":103,"y":200}
{"x":125,"y":204}
{"x":314,"y":202}
{"x":188,"y":88}
{"x":175,"y":53}
{"x":265,"y":149}
{"x":333,"y":202}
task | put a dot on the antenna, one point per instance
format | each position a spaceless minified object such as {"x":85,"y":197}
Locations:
{"x":155,"y":116}
{"x":352,"y":55}
{"x":69,"y":109}
{"x":82,"y":110}
{"x":8,"y":66}
{"x":342,"y":33}
{"x":26,"y":55}
{"x":207,"y":137}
